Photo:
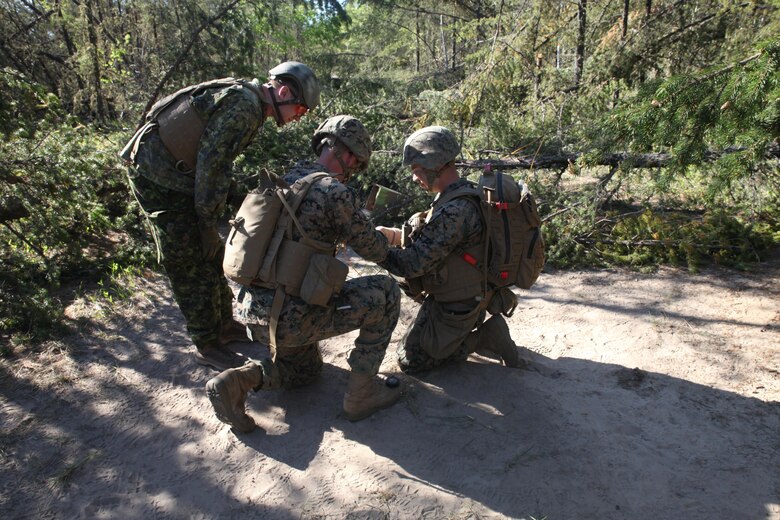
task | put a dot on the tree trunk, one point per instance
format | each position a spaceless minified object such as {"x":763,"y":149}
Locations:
{"x":623,"y":32}
{"x":95,"y":52}
{"x":417,"y":41}
{"x":646,"y":160}
{"x":538,"y":58}
{"x":579,"y":60}
{"x":443,"y":42}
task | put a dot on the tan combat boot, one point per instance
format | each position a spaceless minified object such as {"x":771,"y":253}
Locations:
{"x":227,"y":393}
{"x":367,"y":394}
{"x":493,"y":336}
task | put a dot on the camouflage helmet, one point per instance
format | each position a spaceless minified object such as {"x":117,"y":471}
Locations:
{"x":306,"y":84}
{"x":350,"y":132}
{"x":431,"y":147}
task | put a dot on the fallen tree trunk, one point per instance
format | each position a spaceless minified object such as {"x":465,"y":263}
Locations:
{"x":646,"y":160}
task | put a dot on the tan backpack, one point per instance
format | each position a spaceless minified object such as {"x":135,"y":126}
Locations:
{"x":260,"y":250}
{"x":253,"y":242}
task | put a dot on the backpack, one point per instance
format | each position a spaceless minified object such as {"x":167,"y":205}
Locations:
{"x":260,"y":251}
{"x":513,"y":227}
{"x":254,"y":228}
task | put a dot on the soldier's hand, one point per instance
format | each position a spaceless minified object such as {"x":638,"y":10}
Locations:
{"x":210,"y":240}
{"x":393,"y":235}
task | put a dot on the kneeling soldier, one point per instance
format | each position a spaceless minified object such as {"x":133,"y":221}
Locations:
{"x":328,"y":215}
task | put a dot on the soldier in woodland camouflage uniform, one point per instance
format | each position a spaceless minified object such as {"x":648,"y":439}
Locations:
{"x":450,"y":324}
{"x":328,"y":213}
{"x":184,"y":201}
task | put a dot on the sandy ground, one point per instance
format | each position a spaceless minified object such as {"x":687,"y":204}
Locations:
{"x":658,"y":398}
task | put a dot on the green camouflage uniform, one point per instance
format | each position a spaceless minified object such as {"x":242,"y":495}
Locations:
{"x":329,"y":213}
{"x":175,"y":202}
{"x":430,"y":342}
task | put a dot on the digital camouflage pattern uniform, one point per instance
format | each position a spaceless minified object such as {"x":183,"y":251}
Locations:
{"x":440,"y":328}
{"x":175,"y":202}
{"x":328,"y":213}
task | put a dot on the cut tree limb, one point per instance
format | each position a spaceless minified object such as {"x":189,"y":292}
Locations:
{"x":646,"y":160}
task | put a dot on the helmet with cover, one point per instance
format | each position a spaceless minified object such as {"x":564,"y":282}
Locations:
{"x":350,"y":133}
{"x":431,"y":147}
{"x":304,"y":81}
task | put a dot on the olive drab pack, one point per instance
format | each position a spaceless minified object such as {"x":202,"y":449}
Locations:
{"x":516,"y":245}
{"x":179,"y":125}
{"x":255,"y":237}
{"x":260,"y":249}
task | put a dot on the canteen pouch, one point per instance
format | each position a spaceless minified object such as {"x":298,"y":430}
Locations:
{"x":324,"y":277}
{"x":503,"y":301}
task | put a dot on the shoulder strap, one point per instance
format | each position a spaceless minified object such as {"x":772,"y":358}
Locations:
{"x":194,"y":90}
{"x":298,"y":192}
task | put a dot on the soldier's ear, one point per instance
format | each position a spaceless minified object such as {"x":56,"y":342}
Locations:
{"x":284,"y":92}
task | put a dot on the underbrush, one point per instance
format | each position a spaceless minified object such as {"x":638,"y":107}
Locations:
{"x":637,"y":226}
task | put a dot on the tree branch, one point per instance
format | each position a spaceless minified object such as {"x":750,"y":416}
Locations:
{"x":647,"y":160}
{"x":183,"y":54}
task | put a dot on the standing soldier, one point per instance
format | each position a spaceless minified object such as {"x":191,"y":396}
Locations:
{"x":449,"y":325}
{"x":328,"y":215}
{"x":179,"y":172}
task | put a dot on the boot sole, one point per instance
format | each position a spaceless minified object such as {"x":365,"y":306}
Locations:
{"x":207,"y":362}
{"x":224,"y":340}
{"x":223,"y":412}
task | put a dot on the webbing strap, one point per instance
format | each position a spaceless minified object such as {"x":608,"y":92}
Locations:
{"x":291,"y":213}
{"x":273,"y":321}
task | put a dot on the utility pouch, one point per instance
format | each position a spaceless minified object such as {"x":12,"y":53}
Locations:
{"x":324,"y":278}
{"x":444,"y":330}
{"x":181,"y":128}
{"x":503,"y":301}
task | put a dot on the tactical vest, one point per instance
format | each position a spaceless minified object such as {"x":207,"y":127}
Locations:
{"x":456,"y":279}
{"x":178,"y":124}
{"x":511,"y":251}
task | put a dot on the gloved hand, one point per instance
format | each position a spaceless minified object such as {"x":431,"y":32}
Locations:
{"x":393,"y":235}
{"x":210,"y":241}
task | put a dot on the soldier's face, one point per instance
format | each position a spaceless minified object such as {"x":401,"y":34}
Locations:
{"x":289,"y":113}
{"x":292,"y":113}
{"x":423,"y":177}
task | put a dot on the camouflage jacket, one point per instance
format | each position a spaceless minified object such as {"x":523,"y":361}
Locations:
{"x":330,"y":213}
{"x":233,"y":116}
{"x":454,"y":225}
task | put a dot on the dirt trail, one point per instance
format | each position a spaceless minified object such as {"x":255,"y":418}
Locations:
{"x":658,"y":398}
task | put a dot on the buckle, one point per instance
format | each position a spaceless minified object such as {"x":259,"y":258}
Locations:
{"x":182,"y":167}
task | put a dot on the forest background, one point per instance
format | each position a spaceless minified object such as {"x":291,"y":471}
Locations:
{"x":649,"y":131}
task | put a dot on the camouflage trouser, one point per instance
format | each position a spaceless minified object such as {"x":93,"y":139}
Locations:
{"x":369,"y":303}
{"x":199,"y":285}
{"x":438,"y":335}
